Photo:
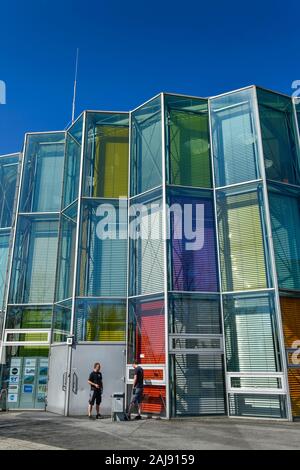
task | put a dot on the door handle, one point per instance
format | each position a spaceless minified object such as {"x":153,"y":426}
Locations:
{"x":64,"y":381}
{"x":74,"y":383}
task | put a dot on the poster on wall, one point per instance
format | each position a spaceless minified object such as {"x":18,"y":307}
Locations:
{"x":28,"y":389}
{"x":14,"y":370}
{"x":29,"y":371}
{"x":43,"y":367}
{"x":13,"y":389}
{"x":28,"y":379}
{"x":14,"y":379}
{"x":41,"y":398}
{"x":42,"y":389}
{"x":30,"y":362}
{"x":12,"y":397}
{"x":15,"y":362}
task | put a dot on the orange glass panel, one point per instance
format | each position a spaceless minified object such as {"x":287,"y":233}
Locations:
{"x":154,"y":399}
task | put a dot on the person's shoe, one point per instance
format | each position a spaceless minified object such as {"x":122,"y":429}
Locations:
{"x":138,"y":417}
{"x":98,"y":416}
{"x":91,"y":417}
{"x":126,"y":417}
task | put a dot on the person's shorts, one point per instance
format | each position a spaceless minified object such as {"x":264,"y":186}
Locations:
{"x":95,"y":396}
{"x":137,"y":396}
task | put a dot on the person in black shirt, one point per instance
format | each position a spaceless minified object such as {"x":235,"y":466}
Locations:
{"x":137,"y":391}
{"x":95,"y":381}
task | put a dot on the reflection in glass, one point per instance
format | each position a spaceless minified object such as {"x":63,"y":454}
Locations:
{"x":34,"y":262}
{"x":106,"y":155}
{"x":146,"y":147}
{"x":234,"y":134}
{"x":279,"y":137}
{"x":100,"y":320}
{"x":188,"y":141}
{"x":43,"y":173}
{"x":242,"y":239}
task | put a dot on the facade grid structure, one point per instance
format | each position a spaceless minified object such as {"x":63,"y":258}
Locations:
{"x":211,"y":313}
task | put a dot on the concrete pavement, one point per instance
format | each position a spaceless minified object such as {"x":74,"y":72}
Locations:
{"x":40,"y":430}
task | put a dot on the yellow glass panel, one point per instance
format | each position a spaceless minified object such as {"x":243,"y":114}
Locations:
{"x":241,"y":241}
{"x":111,"y":162}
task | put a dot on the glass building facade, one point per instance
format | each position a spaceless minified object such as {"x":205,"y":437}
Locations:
{"x":169,"y":235}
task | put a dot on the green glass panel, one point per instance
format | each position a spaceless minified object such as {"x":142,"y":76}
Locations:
{"x":285,"y":220}
{"x":241,"y":238}
{"x":28,"y":317}
{"x":188,"y":141}
{"x":279,"y":137}
{"x":102,"y":321}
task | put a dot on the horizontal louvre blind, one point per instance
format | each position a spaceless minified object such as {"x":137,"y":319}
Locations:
{"x":264,"y":406}
{"x":199,"y":384}
{"x":111,"y":161}
{"x":154,"y":400}
{"x":195,"y":316}
{"x":148,"y":147}
{"x":285,"y":219}
{"x":279,"y":144}
{"x":48,"y":178}
{"x":241,"y":243}
{"x":148,"y":276}
{"x":290,"y":311}
{"x":234,"y":138}
{"x":294,"y":386}
{"x":100,"y":322}
{"x":150,"y":333}
{"x":250,"y":338}
{"x":189,"y":149}
{"x":103,"y":262}
{"x":41,"y":261}
{"x":194,"y":270}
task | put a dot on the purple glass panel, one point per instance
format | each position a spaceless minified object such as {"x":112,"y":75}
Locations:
{"x":194,"y":270}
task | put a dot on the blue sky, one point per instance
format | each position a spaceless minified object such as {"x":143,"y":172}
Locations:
{"x":131,"y":50}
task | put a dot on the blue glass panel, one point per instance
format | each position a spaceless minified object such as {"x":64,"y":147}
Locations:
{"x":43,"y":173}
{"x":72,"y":163}
{"x":8,"y":180}
{"x":103,"y":255}
{"x":234,"y":131}
{"x":34,"y":261}
{"x":146,"y":147}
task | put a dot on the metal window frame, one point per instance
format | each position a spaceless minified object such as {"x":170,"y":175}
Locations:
{"x":27,"y":331}
{"x":216,"y":227}
{"x":271,"y":256}
{"x":255,"y":390}
{"x":160,"y":382}
{"x":198,"y":351}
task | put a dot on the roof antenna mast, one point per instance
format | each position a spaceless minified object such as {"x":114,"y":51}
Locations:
{"x":75,"y":87}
